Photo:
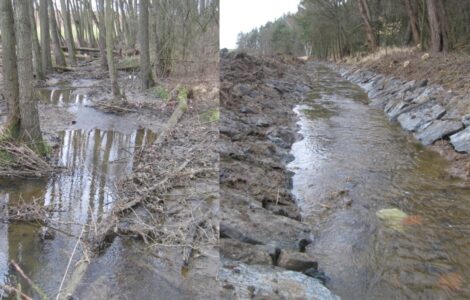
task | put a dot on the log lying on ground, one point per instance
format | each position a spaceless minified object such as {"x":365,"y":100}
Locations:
{"x":83,"y":49}
{"x":86,"y":49}
{"x":181,"y":108}
{"x":64,"y":68}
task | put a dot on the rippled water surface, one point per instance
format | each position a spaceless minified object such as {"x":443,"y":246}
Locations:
{"x":352,"y":164}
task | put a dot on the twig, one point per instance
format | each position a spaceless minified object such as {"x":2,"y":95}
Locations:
{"x":36,"y":288}
{"x":70,"y":262}
{"x":11,"y":289}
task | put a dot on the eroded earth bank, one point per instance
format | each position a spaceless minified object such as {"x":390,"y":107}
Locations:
{"x":263,"y":239}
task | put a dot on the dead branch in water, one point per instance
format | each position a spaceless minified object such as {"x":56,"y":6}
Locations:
{"x":12,"y":290}
{"x":28,"y":212}
{"x":36,"y":288}
{"x":18,"y":160}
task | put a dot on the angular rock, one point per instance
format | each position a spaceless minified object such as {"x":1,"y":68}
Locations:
{"x":241,"y":281}
{"x":296,"y":261}
{"x":437,"y":130}
{"x":422,"y":83}
{"x":263,"y":122}
{"x":466,"y":120}
{"x":414,"y":119}
{"x":255,"y":225}
{"x":247,"y":253}
{"x":461,"y":140}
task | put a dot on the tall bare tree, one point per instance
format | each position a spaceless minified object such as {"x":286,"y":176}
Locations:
{"x":438,"y":25}
{"x":30,"y":130}
{"x":102,"y":35}
{"x":58,"y":53}
{"x":145,"y":70}
{"x":110,"y":49}
{"x":46,"y":60}
{"x":68,"y":32}
{"x":37,"y":58}
{"x":10,"y":70}
{"x":410,"y":6}
{"x":370,"y":32}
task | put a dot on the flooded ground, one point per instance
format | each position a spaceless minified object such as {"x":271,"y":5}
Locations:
{"x":352,"y":167}
{"x":96,"y":150}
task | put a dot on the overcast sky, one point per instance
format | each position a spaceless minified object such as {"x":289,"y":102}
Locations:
{"x":243,"y":15}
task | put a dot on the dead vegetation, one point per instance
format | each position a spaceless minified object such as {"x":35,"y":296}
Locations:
{"x":175,"y":161}
{"x":32,"y":212}
{"x":18,"y":160}
{"x":450,"y":70}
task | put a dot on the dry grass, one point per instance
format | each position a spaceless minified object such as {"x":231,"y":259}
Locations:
{"x":451,"y":70}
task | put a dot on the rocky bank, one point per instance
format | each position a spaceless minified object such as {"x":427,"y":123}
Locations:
{"x":431,"y":113}
{"x":262,"y":237}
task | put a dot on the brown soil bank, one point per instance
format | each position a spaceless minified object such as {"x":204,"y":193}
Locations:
{"x":427,"y":94}
{"x":262,"y":238}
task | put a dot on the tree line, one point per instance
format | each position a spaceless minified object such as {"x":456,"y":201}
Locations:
{"x":42,"y":36}
{"x":338,"y":28}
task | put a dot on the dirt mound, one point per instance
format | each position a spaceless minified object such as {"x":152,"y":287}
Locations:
{"x":259,"y":220}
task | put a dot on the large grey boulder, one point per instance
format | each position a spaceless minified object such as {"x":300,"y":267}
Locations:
{"x":461,"y":140}
{"x":438,"y":129}
{"x":241,"y":281}
{"x":417,"y":117}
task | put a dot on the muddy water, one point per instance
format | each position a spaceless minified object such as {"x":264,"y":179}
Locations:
{"x":351,"y":164}
{"x":96,"y":152}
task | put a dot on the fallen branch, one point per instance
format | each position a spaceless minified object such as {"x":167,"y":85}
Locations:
{"x":180,"y":109}
{"x":10,"y":289}
{"x":74,"y":283}
{"x":64,"y":68}
{"x":36,"y":288}
{"x":188,"y":249}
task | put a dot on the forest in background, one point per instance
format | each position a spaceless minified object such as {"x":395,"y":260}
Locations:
{"x":340,"y":28}
{"x":159,"y":38}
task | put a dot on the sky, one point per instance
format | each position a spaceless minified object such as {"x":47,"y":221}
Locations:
{"x":243,"y":15}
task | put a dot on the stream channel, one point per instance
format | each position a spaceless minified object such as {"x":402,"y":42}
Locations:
{"x":389,"y":222}
{"x":97,"y":150}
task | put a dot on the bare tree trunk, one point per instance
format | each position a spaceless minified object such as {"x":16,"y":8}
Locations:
{"x":37,"y":57}
{"x":45,"y":36}
{"x":109,"y":49}
{"x":145,"y":70}
{"x":438,"y":25}
{"x":30,"y":129}
{"x":102,"y":36}
{"x":10,"y":70}
{"x":58,"y":54}
{"x":68,"y":32}
{"x":370,"y":32}
{"x":413,"y":17}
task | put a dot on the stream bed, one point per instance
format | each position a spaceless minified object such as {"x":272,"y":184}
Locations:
{"x":390,"y":223}
{"x":96,"y":151}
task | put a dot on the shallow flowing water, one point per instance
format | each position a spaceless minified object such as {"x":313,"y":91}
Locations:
{"x":352,"y":164}
{"x":96,"y":153}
